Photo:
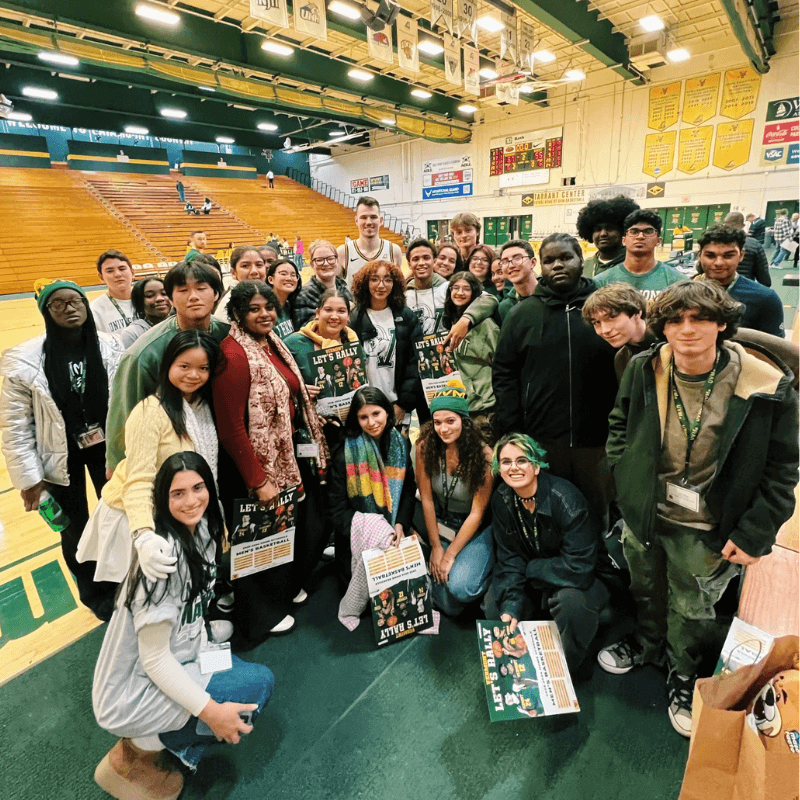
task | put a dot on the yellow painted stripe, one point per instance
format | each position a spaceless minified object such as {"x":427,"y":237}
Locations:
{"x":72,"y":157}
{"x":217,"y":166}
{"x":24,"y":153}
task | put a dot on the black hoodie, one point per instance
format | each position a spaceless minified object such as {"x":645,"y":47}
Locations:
{"x":553,"y":376}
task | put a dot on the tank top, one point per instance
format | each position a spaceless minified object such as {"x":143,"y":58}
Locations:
{"x":354,"y":258}
{"x":460,"y":501}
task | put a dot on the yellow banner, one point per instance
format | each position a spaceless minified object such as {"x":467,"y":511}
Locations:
{"x":659,"y":153}
{"x":740,"y":92}
{"x":665,"y":102}
{"x":694,"y":149}
{"x":732,"y":146}
{"x":559,"y":197}
{"x":700,"y":99}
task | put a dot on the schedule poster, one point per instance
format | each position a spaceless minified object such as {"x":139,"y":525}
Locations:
{"x":744,"y":645}
{"x":399,"y":590}
{"x":263,"y":538}
{"x":436,"y":365}
{"x":525,"y":673}
{"x":525,"y":152}
{"x":338,"y":372}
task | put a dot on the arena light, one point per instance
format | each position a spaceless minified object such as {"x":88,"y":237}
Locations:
{"x":173,"y":113}
{"x":467,"y":109}
{"x":157,"y":14}
{"x":344,"y":10}
{"x":360,"y":75}
{"x":678,"y":54}
{"x":488,"y":73}
{"x":652,"y":23}
{"x":57,"y":58}
{"x":387,"y":121}
{"x":277,"y":48}
{"x":429,"y":46}
{"x":137,"y":130}
{"x":544,"y":56}
{"x":490,"y":24}
{"x":38,"y":93}
{"x":207,"y":88}
{"x":574,"y":75}
{"x":526,"y":88}
{"x":421,"y":94}
{"x":19,"y":116}
{"x":267,"y":126}
{"x":225,"y":140}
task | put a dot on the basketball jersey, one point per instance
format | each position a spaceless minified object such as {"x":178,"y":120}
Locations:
{"x":354,"y":259}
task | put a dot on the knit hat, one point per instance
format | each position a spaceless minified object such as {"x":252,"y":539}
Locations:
{"x":453,"y":397}
{"x":44,"y":292}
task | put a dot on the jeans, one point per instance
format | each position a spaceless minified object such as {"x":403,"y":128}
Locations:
{"x":779,"y":256}
{"x":245,"y":682}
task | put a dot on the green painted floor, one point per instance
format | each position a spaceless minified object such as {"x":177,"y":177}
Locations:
{"x":348,"y":721}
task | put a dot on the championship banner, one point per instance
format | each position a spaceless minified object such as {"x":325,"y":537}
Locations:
{"x":694,"y":149}
{"x":310,"y":19}
{"x":700,"y":99}
{"x":527,"y":36}
{"x":442,"y":10}
{"x":664,"y":106}
{"x":508,"y":37}
{"x":407,"y":40}
{"x":263,"y":538}
{"x":452,"y":59}
{"x":338,"y":372}
{"x":465,"y":19}
{"x":379,"y":44}
{"x":659,"y":153}
{"x":435,"y":365}
{"x":732,"y":145}
{"x":739,"y":93}
{"x":507,"y":93}
{"x":472,"y":63}
{"x":273,"y":11}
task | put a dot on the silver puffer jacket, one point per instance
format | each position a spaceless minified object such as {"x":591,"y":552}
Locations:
{"x":34,"y":435}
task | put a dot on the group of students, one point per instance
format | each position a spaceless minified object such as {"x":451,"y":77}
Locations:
{"x":582,"y":403}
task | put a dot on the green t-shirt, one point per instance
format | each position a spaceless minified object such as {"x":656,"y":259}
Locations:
{"x":284,"y":326}
{"x":650,"y":284}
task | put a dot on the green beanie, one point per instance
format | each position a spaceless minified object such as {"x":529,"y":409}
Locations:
{"x":453,"y":397}
{"x":45,"y":291}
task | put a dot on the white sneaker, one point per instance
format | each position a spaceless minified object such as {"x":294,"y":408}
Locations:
{"x":221,"y":630}
{"x":680,"y":690}
{"x":301,"y":597}
{"x":284,"y":626}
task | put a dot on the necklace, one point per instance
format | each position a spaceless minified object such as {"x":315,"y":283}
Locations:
{"x":527,"y":499}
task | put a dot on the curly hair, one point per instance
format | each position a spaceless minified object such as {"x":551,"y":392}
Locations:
{"x":612,"y":212}
{"x":241,"y":295}
{"x":471,"y":469}
{"x":452,"y":312}
{"x":707,"y":298}
{"x":397,"y":298}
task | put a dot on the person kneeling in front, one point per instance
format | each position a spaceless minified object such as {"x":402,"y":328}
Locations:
{"x":153,"y":685}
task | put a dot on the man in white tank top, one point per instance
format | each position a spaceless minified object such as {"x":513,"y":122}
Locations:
{"x":354,"y":253}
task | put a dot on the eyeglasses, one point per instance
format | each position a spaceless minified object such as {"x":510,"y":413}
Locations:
{"x":520,"y":463}
{"x":635,"y":233}
{"x":376,"y":281}
{"x":327,"y":260}
{"x":61,"y":305}
{"x":517,"y":260}
{"x":483,"y":259}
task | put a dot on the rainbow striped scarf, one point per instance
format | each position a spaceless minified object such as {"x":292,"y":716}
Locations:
{"x":379,"y":483}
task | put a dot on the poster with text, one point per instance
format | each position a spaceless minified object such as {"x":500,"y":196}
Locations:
{"x":659,"y":153}
{"x":310,"y":19}
{"x":700,"y":99}
{"x":525,"y":673}
{"x":436,"y":365}
{"x":275,"y":12}
{"x":400,"y":591}
{"x":694,"y":148}
{"x":263,"y":538}
{"x":338,"y":372}
{"x":732,"y":145}
{"x":739,"y":92}
{"x":665,"y":102}
{"x":525,"y":152}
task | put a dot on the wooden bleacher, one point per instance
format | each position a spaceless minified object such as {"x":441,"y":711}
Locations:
{"x":288,"y":210}
{"x":54,"y":228}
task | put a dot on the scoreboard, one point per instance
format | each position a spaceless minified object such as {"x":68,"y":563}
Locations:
{"x":525,"y":152}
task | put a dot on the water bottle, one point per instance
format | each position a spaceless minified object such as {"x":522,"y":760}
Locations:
{"x":52,"y":513}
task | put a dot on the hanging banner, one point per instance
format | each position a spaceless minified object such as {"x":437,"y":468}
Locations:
{"x":472,"y":63}
{"x":407,"y":53}
{"x":452,"y":59}
{"x":442,"y":10}
{"x":310,"y":19}
{"x":465,"y":18}
{"x":664,"y":105}
{"x":700,"y":99}
{"x":739,"y":93}
{"x":507,"y":93}
{"x":508,"y":37}
{"x":732,"y":146}
{"x":273,"y":11}
{"x":527,"y":35}
{"x":379,"y":44}
{"x":694,"y":149}
{"x":659,"y":153}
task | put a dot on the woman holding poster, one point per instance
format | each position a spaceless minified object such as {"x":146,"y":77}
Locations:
{"x":269,"y":426}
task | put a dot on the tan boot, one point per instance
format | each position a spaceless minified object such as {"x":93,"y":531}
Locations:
{"x":128,"y":773}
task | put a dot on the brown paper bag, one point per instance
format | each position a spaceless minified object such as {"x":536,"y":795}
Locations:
{"x":727,"y":760}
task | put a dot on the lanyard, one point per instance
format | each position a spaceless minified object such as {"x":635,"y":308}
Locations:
{"x":121,"y":312}
{"x":448,"y":493}
{"x":691,"y":429}
{"x":525,"y":525}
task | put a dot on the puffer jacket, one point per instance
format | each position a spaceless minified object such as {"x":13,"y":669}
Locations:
{"x":34,"y":440}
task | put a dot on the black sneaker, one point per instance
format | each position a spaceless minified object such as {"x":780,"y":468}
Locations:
{"x":623,"y":656}
{"x":680,"y":690}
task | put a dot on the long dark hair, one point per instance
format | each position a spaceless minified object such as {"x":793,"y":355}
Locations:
{"x":471,"y":469}
{"x":170,"y":396}
{"x":289,"y":304}
{"x":370,"y":396}
{"x":452,"y":312}
{"x":200,"y":571}
{"x":137,"y":295}
{"x":56,"y":369}
{"x":241,"y":295}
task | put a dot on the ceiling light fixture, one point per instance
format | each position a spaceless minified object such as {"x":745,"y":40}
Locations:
{"x":344,"y":10}
{"x":277,"y":48}
{"x":225,"y":140}
{"x":490,"y":24}
{"x":173,"y":113}
{"x":207,"y":88}
{"x":360,"y":75}
{"x":38,"y":93}
{"x":488,"y":73}
{"x":467,"y":109}
{"x":544,"y":56}
{"x":526,"y":88}
{"x":157,"y":14}
{"x":421,"y":94}
{"x":387,"y":121}
{"x":243,"y":108}
{"x":430,"y":46}
{"x":20,"y":116}
{"x":58,"y":58}
{"x":652,"y":23}
{"x":136,"y":129}
{"x":678,"y":54}
{"x":574,"y":75}
{"x":338,"y":133}
{"x":267,"y":126}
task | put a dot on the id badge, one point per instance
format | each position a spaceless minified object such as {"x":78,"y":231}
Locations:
{"x":684,"y":496}
{"x":215,"y":658}
{"x":91,"y":436}
{"x":308,"y":450}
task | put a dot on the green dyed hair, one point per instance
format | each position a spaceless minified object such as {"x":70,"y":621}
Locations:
{"x":530,"y":448}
